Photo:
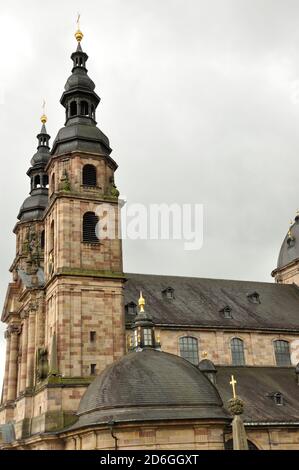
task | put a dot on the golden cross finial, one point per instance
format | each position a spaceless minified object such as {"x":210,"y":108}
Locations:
{"x":78,"y":33}
{"x":141,"y":302}
{"x":44,"y":117}
{"x":233,"y":383}
{"x":204,"y":354}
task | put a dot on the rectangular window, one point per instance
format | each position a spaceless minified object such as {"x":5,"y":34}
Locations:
{"x":93,"y":369}
{"x":92,"y":336}
{"x":147,"y":337}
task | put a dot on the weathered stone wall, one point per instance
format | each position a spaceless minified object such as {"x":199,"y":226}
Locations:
{"x":258,"y":346}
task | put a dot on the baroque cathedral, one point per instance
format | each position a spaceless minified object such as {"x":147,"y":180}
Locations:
{"x":101,"y":359}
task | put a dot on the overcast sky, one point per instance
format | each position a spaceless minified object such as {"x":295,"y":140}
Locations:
{"x":200,"y":100}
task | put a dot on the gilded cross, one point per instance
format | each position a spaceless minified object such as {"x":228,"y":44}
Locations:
{"x":233,"y":384}
{"x":44,"y":107}
{"x":78,"y":20}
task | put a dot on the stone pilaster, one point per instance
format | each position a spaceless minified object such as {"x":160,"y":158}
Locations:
{"x":23,"y":373}
{"x":13,"y":362}
{"x":6,"y":373}
{"x":31,"y":346}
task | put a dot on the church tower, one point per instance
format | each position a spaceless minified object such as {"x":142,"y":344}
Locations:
{"x":83,"y":268}
{"x":64,"y":309}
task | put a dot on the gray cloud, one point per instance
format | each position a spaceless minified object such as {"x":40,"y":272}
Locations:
{"x":200,"y":101}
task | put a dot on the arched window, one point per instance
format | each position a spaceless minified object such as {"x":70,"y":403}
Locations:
{"x":92,"y":111}
{"x":237,"y":349}
{"x":84,"y":108}
{"x":37,"y":181}
{"x":189,"y":349}
{"x":282,"y":353}
{"x":90,"y":221}
{"x":89,"y":175}
{"x":45,"y":181}
{"x":73,"y":108}
{"x":229,"y":445}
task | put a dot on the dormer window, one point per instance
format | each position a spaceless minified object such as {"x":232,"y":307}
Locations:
{"x":291,"y":241}
{"x":168,"y":293}
{"x":227,"y":312}
{"x":254,"y":297}
{"x":131,"y":308}
{"x":278,"y":398}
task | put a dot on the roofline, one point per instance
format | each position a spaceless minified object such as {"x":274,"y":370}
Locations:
{"x":281,"y":268}
{"x":219,"y":327}
{"x":271,"y":423}
{"x":200,"y":278}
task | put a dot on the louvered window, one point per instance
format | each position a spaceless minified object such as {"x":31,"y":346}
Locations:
{"x":90,"y":221}
{"x":89,"y":175}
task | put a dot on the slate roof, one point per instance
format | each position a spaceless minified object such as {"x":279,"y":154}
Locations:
{"x":289,"y":250}
{"x":198,"y":302}
{"x":150,"y":385}
{"x":254,"y":385}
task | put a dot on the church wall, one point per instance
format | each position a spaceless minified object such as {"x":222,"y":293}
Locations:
{"x":165,"y":436}
{"x":81,"y":306}
{"x":288,"y":275}
{"x":69,"y":251}
{"x":258,"y":346}
{"x":274,"y":438}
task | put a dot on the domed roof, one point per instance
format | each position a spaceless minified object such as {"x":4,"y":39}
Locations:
{"x":290,"y":247}
{"x":81,"y":136}
{"x":79,"y":79}
{"x":34,"y":205}
{"x":150,"y":385}
{"x":41,"y":157}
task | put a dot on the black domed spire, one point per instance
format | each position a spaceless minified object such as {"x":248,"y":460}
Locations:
{"x":80,"y":102}
{"x":33,"y":207}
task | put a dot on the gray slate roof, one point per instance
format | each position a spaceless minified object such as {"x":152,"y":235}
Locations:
{"x":290,"y":247}
{"x":198,"y":302}
{"x":255,"y":384}
{"x":150,"y":385}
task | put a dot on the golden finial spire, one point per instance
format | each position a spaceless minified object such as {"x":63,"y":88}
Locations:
{"x":233,"y":383}
{"x":204,"y":354}
{"x":141,"y":302}
{"x":78,"y":34}
{"x":44,"y":117}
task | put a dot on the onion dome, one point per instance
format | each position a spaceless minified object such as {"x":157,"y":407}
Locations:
{"x":80,"y":102}
{"x":33,"y":207}
{"x":150,"y":385}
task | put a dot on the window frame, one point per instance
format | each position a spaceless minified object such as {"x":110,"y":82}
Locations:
{"x":238,"y":352}
{"x":189,"y":352}
{"x":280,"y":354}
